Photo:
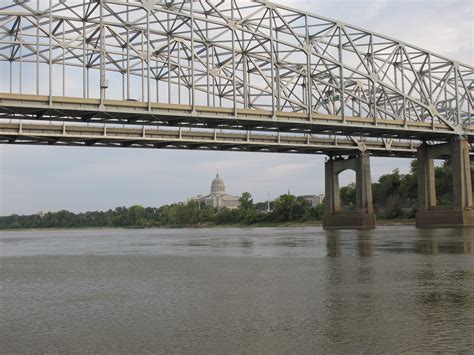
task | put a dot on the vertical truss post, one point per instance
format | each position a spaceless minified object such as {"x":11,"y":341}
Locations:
{"x":37,"y":47}
{"x":103,"y":82}
{"x":157,"y":81}
{"x":148,"y":58}
{"x":142,"y":61}
{"x":404,"y":104}
{"x":309,"y":84}
{"x":456,"y":90}
{"x":122,"y":72}
{"x":430,"y":93}
{"x":127,"y":31}
{"x":373,"y":97}
{"x":341,"y":76}
{"x":208,"y":64}
{"x":272,"y":61}
{"x":20,"y":25}
{"x":50,"y":59}
{"x":168,"y":33}
{"x":234,"y":79}
{"x":277,"y":75}
{"x":430,"y":79}
{"x":63,"y":45}
{"x":84,"y":58}
{"x":245,"y":77}
{"x":193,"y":49}
{"x":127,"y":54}
{"x":469,"y":108}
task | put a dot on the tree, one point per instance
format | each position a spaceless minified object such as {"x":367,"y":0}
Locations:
{"x":246,"y":210}
{"x":136,"y":216}
{"x":227,"y":216}
{"x":347,"y":195}
{"x":444,"y":183}
{"x":287,"y":208}
{"x":387,"y":186}
{"x":246,"y":202}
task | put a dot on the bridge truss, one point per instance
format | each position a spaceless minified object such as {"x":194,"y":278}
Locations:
{"x":221,"y":67}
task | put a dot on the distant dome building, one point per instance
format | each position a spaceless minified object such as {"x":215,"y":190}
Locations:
{"x":218,"y":198}
{"x":217,"y":185}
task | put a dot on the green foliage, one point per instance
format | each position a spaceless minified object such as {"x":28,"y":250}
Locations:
{"x":247,"y":212}
{"x":226,"y":216}
{"x":287,"y":208}
{"x":444,"y":184}
{"x":387,"y":186}
{"x":347,"y":195}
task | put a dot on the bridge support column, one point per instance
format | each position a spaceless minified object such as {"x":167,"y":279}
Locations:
{"x":461,"y":213}
{"x":335,"y":217}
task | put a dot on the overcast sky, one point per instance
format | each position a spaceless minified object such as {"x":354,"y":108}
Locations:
{"x":81,"y":179}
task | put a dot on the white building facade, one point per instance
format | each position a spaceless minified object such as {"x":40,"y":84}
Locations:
{"x":218,"y":198}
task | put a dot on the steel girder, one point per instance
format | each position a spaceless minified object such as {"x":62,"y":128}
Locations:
{"x":20,"y":132}
{"x":233,"y":55}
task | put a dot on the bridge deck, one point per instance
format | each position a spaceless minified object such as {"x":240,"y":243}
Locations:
{"x":74,"y":109}
{"x":17,"y":132}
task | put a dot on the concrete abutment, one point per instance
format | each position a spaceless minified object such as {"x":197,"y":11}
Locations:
{"x":461,"y":213}
{"x":363,"y":217}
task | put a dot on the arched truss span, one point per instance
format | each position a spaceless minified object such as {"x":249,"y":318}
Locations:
{"x":238,"y":55}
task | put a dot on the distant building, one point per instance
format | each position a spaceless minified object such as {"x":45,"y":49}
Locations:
{"x":314,"y":200}
{"x":218,"y":198}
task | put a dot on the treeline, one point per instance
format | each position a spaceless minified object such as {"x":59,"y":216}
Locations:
{"x":394,"y":195}
{"x":284,"y":209}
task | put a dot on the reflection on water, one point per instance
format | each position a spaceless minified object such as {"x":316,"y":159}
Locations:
{"x":265,"y":242}
{"x":269,"y":290}
{"x":365,"y":244}
{"x":333,"y":244}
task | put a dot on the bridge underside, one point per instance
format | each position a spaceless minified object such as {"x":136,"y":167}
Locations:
{"x":78,"y":110}
{"x":30,"y":119}
{"x":68,"y":134}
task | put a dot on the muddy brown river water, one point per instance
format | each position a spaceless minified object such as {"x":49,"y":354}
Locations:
{"x":265,"y":290}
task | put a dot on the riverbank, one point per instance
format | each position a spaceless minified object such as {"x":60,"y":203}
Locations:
{"x":393,"y":222}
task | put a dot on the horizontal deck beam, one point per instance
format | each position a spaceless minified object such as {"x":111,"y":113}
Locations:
{"x":72,"y":109}
{"x":56,"y":134}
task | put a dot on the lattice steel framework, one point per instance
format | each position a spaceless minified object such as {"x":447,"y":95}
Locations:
{"x":242,"y":56}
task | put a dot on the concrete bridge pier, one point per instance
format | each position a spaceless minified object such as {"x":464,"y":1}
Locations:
{"x":363,"y":217}
{"x":461,"y":213}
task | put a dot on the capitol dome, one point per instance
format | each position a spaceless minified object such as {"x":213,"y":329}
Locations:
{"x":217,"y":185}
{"x":217,"y":198}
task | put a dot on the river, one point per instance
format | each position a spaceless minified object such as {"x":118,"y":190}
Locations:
{"x":262,"y":290}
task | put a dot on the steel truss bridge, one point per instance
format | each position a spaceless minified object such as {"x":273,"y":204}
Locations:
{"x":220,"y":75}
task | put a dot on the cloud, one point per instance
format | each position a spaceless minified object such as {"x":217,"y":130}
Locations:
{"x":441,"y":26}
